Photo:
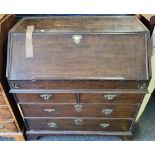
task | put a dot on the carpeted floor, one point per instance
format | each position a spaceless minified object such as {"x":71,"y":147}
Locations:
{"x":144,"y":130}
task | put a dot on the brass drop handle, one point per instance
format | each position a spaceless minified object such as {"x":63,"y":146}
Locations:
{"x":77,"y":38}
{"x":105,"y":125}
{"x":107,"y":111}
{"x":78,"y":121}
{"x":78,"y":107}
{"x":46,"y":96}
{"x":49,"y":110}
{"x":1,"y":127}
{"x":109,"y":96}
{"x":52,"y":125}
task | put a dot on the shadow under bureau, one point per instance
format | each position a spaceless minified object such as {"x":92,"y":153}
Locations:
{"x":83,"y":75}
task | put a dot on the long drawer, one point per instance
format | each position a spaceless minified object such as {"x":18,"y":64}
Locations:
{"x":82,"y":98}
{"x":5,"y":113}
{"x":7,"y":126}
{"x":79,"y":124}
{"x":79,"y":110}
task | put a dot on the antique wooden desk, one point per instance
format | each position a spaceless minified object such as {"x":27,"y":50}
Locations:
{"x":79,"y":75}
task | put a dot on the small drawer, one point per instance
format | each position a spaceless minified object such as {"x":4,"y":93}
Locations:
{"x":79,"y":110}
{"x":111,"y":98}
{"x":2,"y":102}
{"x":7,"y":126}
{"x":79,"y":124}
{"x":46,"y":98}
{"x":5,"y":114}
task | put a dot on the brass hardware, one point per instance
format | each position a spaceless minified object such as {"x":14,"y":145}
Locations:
{"x":49,"y":110}
{"x":142,"y":86}
{"x":104,"y":125}
{"x":109,"y":96}
{"x":77,"y":38}
{"x":15,"y":85}
{"x":78,"y":121}
{"x":1,"y":127}
{"x":34,"y":80}
{"x":107,"y":111}
{"x":52,"y":124}
{"x":78,"y":107}
{"x":46,"y":96}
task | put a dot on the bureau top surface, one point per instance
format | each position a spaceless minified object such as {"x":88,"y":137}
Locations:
{"x":114,"y":49}
{"x":88,"y":24}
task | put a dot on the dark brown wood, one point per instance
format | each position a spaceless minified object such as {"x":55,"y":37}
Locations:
{"x":79,"y":60}
{"x":55,"y":98}
{"x":119,"y":98}
{"x":84,"y":98}
{"x":79,"y":110}
{"x":66,"y":24}
{"x":77,"y":91}
{"x":79,"y":84}
{"x":6,"y":23}
{"x":79,"y":124}
{"x":87,"y":75}
{"x":35,"y":135}
{"x":93,"y":50}
{"x":152,"y":20}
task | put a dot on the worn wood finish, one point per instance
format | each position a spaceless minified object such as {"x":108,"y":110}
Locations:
{"x":80,"y":60}
{"x":94,"y":49}
{"x":53,"y":98}
{"x":79,"y":110}
{"x":5,"y":113}
{"x":83,"y":98}
{"x":79,"y":124}
{"x":16,"y":135}
{"x":67,"y":24}
{"x":10,"y":119}
{"x":86,"y":76}
{"x":31,"y":135}
{"x":78,"y":84}
{"x":118,"y":98}
{"x":2,"y":102}
{"x":77,"y":91}
{"x":8,"y":126}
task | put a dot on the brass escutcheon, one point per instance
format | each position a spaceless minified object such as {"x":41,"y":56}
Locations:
{"x":77,"y":38}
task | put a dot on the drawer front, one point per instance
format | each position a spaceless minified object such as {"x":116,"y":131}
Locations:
{"x":111,"y":98}
{"x":8,"y":126}
{"x":5,"y":114}
{"x":48,"y":98}
{"x":79,"y":84}
{"x":79,"y":124}
{"x":2,"y":102}
{"x":79,"y":110}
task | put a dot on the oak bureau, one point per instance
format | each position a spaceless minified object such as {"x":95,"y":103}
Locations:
{"x":79,"y":75}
